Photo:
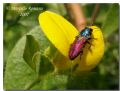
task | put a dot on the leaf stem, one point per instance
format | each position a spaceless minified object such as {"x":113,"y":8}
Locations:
{"x":94,"y":14}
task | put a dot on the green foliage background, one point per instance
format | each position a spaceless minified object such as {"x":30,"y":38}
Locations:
{"x":25,"y":48}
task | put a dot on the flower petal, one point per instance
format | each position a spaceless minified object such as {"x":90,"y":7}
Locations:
{"x":61,"y":33}
{"x":58,"y":30}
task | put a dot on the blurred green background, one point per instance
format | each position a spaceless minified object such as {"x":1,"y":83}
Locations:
{"x":16,"y":25}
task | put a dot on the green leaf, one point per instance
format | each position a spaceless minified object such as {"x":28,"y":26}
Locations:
{"x":31,"y":48}
{"x":45,"y":66}
{"x":111,"y":23}
{"x":52,"y":82}
{"x":18,"y":73}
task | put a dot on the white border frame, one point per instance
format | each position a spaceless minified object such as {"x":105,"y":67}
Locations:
{"x":35,"y":1}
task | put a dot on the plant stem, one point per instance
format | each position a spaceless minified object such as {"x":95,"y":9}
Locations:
{"x":77,"y":15}
{"x":94,"y":14}
{"x":29,"y":86}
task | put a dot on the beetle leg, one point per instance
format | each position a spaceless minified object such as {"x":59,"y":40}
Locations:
{"x":90,"y":46}
{"x":90,"y":49}
{"x":76,"y":36}
{"x":74,"y":67}
{"x":81,"y":54}
{"x":92,"y":38}
{"x":90,"y":43}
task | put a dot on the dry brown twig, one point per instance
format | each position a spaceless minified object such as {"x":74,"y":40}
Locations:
{"x":78,"y":17}
{"x":94,"y":14}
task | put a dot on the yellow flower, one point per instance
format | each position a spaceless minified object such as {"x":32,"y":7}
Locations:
{"x":62,"y":33}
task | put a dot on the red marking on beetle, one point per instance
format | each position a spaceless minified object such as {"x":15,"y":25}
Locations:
{"x":76,"y":47}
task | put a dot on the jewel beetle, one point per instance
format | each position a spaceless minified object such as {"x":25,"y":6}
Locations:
{"x":79,"y":43}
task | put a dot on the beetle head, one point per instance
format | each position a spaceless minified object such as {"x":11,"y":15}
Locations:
{"x":86,"y":32}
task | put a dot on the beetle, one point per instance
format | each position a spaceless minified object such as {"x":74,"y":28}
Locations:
{"x":79,"y":43}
